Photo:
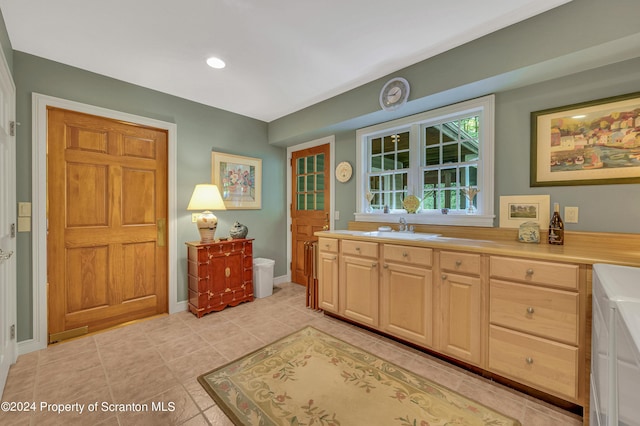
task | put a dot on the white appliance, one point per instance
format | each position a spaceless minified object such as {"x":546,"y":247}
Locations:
{"x":615,"y":353}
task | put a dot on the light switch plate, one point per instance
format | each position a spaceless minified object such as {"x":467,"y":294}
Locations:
{"x":571,"y":214}
{"x":194,"y":217}
{"x":24,"y":209}
{"x":24,"y":224}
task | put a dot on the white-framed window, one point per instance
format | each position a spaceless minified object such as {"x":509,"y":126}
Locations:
{"x":443,"y":157}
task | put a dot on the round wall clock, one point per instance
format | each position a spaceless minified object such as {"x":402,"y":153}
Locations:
{"x":394,"y":94}
{"x":343,"y":171}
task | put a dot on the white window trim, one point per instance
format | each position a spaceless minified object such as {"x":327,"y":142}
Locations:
{"x":485,"y":198}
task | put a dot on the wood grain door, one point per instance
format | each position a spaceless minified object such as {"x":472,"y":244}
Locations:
{"x":107,"y":212}
{"x":310,"y":205}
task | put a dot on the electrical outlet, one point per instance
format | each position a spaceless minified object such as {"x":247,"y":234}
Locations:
{"x":571,"y":214}
{"x":194,"y":217}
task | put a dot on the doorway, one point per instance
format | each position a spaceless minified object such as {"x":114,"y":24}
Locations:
{"x":107,"y":214}
{"x":41,"y":103}
{"x":311,"y":198}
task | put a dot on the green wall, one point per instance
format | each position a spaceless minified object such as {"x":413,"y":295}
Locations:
{"x":199,"y":128}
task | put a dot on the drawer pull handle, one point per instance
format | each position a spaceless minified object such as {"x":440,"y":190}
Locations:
{"x":405,"y":254}
{"x":530,"y":310}
{"x":334,"y":257}
{"x":529,"y":271}
{"x":357,"y":248}
{"x":444,"y":277}
{"x":458,"y":263}
{"x":385,"y":266}
{"x":529,"y":360}
{"x":374,"y":264}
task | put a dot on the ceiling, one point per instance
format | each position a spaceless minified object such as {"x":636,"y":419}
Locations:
{"x":281,"y":55}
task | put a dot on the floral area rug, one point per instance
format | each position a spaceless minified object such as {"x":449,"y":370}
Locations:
{"x":311,"y":378}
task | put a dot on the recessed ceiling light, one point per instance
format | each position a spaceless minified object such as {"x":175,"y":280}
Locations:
{"x":216,"y":63}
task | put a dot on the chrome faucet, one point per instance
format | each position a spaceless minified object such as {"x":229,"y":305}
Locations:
{"x":403,"y":225}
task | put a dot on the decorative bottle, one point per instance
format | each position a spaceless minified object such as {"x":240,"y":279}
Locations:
{"x":556,"y":227}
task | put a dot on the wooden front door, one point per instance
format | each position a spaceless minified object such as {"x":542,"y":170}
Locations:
{"x":310,"y":205}
{"x":107,"y":211}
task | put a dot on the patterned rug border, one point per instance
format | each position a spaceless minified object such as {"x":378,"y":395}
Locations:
{"x":236,"y":420}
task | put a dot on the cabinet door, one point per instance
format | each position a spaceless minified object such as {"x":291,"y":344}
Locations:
{"x":460,"y":306}
{"x":406,"y":302}
{"x":359,"y":289}
{"x":328,"y":281}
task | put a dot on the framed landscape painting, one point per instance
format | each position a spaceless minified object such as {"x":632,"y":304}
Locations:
{"x":239,"y":179}
{"x":590,"y":143}
{"x":518,"y":209}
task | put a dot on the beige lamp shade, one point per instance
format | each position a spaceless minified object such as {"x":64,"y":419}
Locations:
{"x":206,"y":197}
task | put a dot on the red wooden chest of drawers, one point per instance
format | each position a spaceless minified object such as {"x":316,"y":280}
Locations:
{"x":220,"y":274}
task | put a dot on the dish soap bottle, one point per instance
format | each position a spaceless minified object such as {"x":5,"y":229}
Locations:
{"x":556,"y":227}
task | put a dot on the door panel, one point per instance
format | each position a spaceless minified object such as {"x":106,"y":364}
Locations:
{"x":107,"y":191}
{"x":310,"y":207}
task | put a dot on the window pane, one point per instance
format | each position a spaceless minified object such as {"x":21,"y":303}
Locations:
{"x":397,"y":200}
{"x":376,"y":146}
{"x":376,"y":164}
{"x":301,"y":186}
{"x":300,"y":166}
{"x":374,"y":183}
{"x":310,"y":165}
{"x":390,"y":162}
{"x":432,"y":156}
{"x":400,"y":181}
{"x":469,"y":151}
{"x":389,"y":144}
{"x":403,"y":160}
{"x":311,"y":182}
{"x":450,"y":153}
{"x":449,"y":177}
{"x":320,"y":201}
{"x":301,"y":203}
{"x":432,"y":136}
{"x":320,"y":181}
{"x":310,"y":203}
{"x":319,"y":162}
{"x":403,"y":141}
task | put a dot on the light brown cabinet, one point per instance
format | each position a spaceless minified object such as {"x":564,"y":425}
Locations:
{"x":460,"y":307}
{"x":359,"y":281}
{"x":328,"y":274}
{"x":517,"y":318}
{"x":534,"y":333}
{"x":406,"y":293}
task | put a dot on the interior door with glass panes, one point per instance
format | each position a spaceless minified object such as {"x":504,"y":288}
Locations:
{"x":310,"y":205}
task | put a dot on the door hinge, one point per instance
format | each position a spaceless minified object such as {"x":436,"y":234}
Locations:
{"x":12,"y":331}
{"x":12,"y":230}
{"x":12,"y":128}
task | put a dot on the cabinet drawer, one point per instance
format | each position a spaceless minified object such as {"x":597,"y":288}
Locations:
{"x":531,"y":271}
{"x":542,"y":311}
{"x":407,"y":254}
{"x":360,"y":248}
{"x":328,"y":244}
{"x":465,"y":263}
{"x":541,"y":363}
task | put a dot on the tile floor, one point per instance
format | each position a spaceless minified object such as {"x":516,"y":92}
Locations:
{"x":158,"y":361}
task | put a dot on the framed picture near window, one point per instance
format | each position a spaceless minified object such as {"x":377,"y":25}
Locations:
{"x":591,"y":143}
{"x":239,"y":179}
{"x":518,"y":209}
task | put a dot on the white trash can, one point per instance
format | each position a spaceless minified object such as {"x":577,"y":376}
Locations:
{"x":263,"y":277}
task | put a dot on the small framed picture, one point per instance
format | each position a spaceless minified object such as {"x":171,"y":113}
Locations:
{"x":518,"y":209}
{"x":239,"y":179}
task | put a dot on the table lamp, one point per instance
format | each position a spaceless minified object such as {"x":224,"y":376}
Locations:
{"x":206,"y":197}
